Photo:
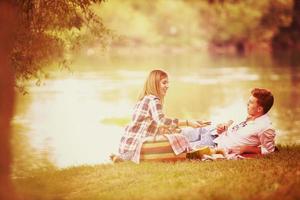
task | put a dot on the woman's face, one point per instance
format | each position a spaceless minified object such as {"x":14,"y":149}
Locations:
{"x":163,"y":86}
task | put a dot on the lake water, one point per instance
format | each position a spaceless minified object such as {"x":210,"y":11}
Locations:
{"x":78,"y":117}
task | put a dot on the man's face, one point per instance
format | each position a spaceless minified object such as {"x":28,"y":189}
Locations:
{"x":253,"y":108}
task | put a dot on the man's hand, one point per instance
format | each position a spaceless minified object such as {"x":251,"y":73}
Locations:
{"x":223,"y":127}
{"x":244,"y":149}
{"x":237,"y":150}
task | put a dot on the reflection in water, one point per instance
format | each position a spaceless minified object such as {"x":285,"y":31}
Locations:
{"x":81,"y":117}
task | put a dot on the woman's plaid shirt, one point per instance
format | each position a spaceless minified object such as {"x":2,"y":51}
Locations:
{"x":147,"y":118}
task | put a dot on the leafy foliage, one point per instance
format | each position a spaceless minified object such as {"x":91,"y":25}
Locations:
{"x":247,"y":22}
{"x":49,"y":30}
{"x":197,"y":24}
{"x":159,"y":23}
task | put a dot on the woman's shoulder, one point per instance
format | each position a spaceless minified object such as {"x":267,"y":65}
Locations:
{"x":150,"y":97}
{"x":144,"y":102}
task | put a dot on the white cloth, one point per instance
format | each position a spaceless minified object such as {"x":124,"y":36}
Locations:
{"x":258,"y":132}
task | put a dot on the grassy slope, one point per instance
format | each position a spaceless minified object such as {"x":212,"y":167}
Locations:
{"x":273,"y":177}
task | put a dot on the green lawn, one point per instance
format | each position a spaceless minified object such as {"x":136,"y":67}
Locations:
{"x":275,"y":176}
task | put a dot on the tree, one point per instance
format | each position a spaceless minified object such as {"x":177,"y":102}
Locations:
{"x":33,"y":34}
{"x":242,"y":26}
{"x":288,"y":36}
{"x":49,"y":30}
{"x":7,"y":26}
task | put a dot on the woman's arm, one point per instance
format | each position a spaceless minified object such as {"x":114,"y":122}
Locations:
{"x":193,"y":123}
{"x":159,"y":117}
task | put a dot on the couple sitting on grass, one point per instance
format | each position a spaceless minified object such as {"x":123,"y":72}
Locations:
{"x":254,"y":135}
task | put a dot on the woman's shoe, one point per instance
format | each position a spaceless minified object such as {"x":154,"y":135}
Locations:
{"x":115,"y":159}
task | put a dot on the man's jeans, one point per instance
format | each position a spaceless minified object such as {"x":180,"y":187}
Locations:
{"x":199,"y":137}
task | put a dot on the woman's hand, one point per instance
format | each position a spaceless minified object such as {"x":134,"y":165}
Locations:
{"x":198,"y":124}
{"x":204,"y":123}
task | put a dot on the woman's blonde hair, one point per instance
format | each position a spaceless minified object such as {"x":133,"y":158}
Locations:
{"x":152,"y":86}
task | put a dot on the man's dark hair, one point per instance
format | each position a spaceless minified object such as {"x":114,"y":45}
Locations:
{"x":264,"y":98}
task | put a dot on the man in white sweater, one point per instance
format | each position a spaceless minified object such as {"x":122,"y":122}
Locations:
{"x":254,"y":135}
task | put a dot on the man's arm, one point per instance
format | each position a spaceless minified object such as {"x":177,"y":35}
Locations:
{"x":245,"y":149}
{"x":267,"y":144}
{"x":267,"y":139}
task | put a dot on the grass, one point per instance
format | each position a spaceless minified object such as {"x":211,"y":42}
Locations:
{"x":275,"y":176}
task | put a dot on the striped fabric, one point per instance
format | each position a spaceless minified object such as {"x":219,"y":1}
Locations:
{"x":159,"y":149}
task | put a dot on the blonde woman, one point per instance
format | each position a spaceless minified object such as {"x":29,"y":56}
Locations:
{"x":148,"y":119}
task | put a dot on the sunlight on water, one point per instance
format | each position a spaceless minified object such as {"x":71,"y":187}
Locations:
{"x":225,"y":75}
{"x":69,"y":116}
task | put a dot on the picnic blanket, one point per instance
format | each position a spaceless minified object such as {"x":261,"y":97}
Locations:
{"x":210,"y":153}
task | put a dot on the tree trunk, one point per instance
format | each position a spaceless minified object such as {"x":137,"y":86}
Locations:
{"x":7,"y":27}
{"x":288,"y":37}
